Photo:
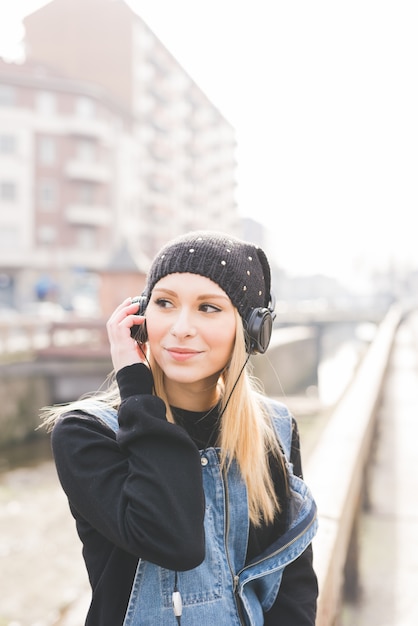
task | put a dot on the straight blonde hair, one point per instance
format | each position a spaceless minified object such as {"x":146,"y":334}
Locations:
{"x":246,"y":434}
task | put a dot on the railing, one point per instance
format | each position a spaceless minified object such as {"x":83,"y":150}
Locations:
{"x":337,"y":468}
{"x":73,"y":337}
{"x":82,"y":337}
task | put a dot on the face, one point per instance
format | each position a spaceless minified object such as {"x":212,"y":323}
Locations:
{"x":191,"y":331}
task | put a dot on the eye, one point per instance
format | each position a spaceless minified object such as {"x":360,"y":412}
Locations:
{"x":163,"y":303}
{"x":209,"y":308}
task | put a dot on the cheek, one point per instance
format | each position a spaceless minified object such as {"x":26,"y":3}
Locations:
{"x":224,"y":336}
{"x":154,"y":333}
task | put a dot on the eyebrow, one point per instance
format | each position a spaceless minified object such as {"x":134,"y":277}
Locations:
{"x":203,"y":296}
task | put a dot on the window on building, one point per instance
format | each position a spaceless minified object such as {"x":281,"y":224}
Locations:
{"x":47,"y":234}
{"x":86,"y":238}
{"x":46,"y":103}
{"x":47,"y":150}
{"x":86,"y":150}
{"x":86,"y":193}
{"x":9,"y":237}
{"x":8,"y":143}
{"x":8,"y":190}
{"x":84,"y":107}
{"x":48,"y":194}
{"x":7,"y":95}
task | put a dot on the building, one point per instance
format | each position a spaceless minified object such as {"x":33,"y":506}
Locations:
{"x":105,"y":142}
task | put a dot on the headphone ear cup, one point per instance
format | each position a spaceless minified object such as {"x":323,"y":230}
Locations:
{"x":258,"y":331}
{"x":139,"y":333}
{"x":142,"y":302}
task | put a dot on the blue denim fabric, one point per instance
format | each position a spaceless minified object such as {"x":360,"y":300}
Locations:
{"x":223,"y":591}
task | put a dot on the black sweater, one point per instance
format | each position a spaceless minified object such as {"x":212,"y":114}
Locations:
{"x":126,"y":488}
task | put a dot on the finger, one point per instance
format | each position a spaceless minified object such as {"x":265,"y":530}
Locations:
{"x":121,"y":311}
{"x":136,"y":320}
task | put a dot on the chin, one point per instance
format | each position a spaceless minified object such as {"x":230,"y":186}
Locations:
{"x":187,"y":376}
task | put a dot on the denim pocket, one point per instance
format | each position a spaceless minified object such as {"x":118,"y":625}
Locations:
{"x":203,"y":583}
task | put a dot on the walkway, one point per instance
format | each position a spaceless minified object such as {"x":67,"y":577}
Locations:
{"x":389,"y":529}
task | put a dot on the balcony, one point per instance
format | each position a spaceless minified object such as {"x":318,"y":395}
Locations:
{"x":86,"y":127}
{"x":77,"y":169}
{"x":88,"y":214}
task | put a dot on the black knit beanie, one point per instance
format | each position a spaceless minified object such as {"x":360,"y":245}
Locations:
{"x":240,"y":268}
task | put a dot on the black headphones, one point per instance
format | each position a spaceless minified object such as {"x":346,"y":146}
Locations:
{"x":139,"y":333}
{"x":258,"y":328}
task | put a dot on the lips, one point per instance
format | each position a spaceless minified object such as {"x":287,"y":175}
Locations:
{"x":182,"y":354}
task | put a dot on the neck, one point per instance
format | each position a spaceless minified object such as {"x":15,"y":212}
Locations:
{"x":190,"y":398}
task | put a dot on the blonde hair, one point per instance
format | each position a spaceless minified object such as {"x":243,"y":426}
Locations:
{"x":246,"y":434}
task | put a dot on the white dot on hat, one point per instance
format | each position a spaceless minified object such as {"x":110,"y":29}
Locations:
{"x":250,"y":258}
{"x":191,"y":250}
{"x":223,"y":262}
{"x":248,"y":273}
{"x":244,"y":288}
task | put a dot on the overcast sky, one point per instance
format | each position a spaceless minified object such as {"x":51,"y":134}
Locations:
{"x":323,"y":96}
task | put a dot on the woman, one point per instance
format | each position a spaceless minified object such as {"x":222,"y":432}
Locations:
{"x":184,"y":480}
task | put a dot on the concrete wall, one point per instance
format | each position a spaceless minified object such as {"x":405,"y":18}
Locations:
{"x":290,"y":364}
{"x":27,"y":387}
{"x":337,"y":470}
{"x":21,"y":396}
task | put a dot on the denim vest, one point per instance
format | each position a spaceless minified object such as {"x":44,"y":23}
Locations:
{"x":223,"y":590}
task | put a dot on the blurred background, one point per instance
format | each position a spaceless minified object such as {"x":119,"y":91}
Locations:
{"x":125,"y":123}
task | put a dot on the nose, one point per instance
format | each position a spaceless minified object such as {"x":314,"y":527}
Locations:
{"x":183,"y":325}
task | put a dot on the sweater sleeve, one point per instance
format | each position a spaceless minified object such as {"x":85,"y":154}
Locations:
{"x":297,"y":598}
{"x":141,"y":488}
{"x":296,"y":601}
